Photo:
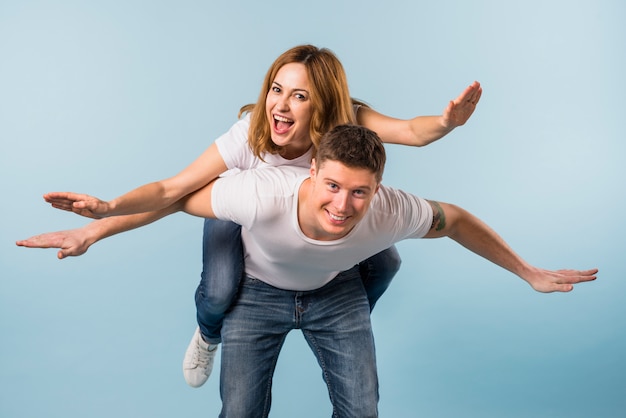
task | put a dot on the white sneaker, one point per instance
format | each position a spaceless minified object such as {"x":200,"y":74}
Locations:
{"x":198,"y":361}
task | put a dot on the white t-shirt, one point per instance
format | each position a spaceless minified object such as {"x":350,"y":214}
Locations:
{"x":265,"y":201}
{"x":234,"y":149}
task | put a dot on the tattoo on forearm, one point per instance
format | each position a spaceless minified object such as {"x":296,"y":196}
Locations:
{"x":439,"y":216}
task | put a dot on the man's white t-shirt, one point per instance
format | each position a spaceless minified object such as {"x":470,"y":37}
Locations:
{"x":265,"y":202}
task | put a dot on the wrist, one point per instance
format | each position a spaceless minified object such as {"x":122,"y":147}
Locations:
{"x":95,"y":231}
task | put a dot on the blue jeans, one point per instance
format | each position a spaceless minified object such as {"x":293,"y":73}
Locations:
{"x":335,"y":321}
{"x":223,"y":269}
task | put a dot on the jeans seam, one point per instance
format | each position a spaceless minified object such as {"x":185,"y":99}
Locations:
{"x":268,"y":394}
{"x":322,"y":363}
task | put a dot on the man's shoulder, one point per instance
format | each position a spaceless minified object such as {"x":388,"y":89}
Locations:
{"x":269,"y":180}
{"x":396,"y":201}
{"x":284,"y":172}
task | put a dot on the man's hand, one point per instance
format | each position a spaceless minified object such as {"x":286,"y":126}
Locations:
{"x":72,"y":243}
{"x":460,"y":109}
{"x":81,"y":204}
{"x":547,"y":281}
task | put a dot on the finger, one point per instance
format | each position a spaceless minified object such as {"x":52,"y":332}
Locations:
{"x":569,"y":272}
{"x":64,"y":197}
{"x":465,"y":96}
{"x":66,"y":252}
{"x":55,"y":196}
{"x":62,"y":202}
{"x":469,"y":97}
{"x":81,"y":204}
{"x":576,"y":276}
{"x":579,"y":279}
{"x":40,"y":242}
{"x":49,"y":199}
{"x":61,"y":195}
{"x":63,"y":206}
{"x":564,"y":288}
{"x":476,"y":95}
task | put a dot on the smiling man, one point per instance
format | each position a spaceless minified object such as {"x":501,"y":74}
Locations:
{"x":304,"y":232}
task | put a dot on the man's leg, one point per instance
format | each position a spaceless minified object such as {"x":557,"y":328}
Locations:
{"x":378,"y":271}
{"x":222,"y":256}
{"x":252,"y":336}
{"x":335,"y":321}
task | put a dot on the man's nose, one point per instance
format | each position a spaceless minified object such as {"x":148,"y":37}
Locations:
{"x":341,"y":201}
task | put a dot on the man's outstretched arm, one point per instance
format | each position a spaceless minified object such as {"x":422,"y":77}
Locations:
{"x":472,"y":233}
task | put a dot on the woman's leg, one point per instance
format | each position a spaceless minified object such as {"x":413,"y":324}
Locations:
{"x":222,"y":262}
{"x":378,"y":271}
{"x":222,"y":256}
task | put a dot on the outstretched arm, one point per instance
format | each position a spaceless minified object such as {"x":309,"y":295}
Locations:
{"x":76,"y":242}
{"x":150,"y":197}
{"x":469,"y":231}
{"x":422,"y":130}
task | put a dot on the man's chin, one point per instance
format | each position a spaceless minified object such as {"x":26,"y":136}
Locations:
{"x":335,"y":232}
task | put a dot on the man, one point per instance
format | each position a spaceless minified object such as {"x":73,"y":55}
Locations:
{"x":299,"y":232}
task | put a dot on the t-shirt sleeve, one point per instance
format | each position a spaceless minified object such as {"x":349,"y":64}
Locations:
{"x":255,"y":195}
{"x":233,"y":146}
{"x":233,"y":198}
{"x":404,"y":214}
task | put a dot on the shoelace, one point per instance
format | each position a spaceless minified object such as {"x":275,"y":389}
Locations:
{"x":201,"y":356}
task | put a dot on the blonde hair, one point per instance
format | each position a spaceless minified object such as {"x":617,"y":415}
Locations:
{"x":331,"y":103}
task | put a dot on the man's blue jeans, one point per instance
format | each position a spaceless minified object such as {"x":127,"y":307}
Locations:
{"x":223,"y":269}
{"x":335,"y":321}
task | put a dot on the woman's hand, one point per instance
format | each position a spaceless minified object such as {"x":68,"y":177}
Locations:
{"x":460,"y":109}
{"x":81,"y":204}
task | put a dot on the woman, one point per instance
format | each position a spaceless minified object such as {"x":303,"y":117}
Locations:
{"x":304,"y":94}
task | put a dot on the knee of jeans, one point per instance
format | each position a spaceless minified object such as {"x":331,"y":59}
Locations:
{"x":394,"y":261}
{"x":213,"y":302}
{"x":390,"y":262}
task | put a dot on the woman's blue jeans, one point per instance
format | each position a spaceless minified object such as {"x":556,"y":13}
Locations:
{"x":223,"y":270}
{"x":335,"y":321}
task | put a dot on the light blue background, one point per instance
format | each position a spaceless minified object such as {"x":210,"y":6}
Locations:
{"x":100,"y":97}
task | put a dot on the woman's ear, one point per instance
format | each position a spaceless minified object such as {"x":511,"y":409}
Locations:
{"x":313,"y":169}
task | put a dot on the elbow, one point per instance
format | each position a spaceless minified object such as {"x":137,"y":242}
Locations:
{"x":181,"y":205}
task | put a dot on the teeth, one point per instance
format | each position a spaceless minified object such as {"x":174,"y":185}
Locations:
{"x":337,"y":218}
{"x":282,"y":119}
